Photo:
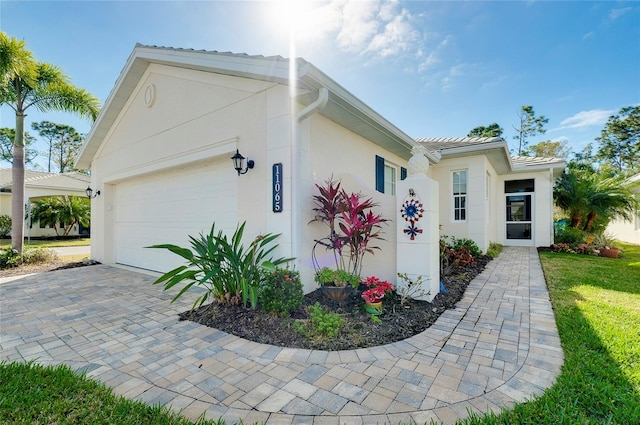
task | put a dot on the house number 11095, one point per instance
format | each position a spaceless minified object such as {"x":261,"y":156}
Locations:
{"x":277,"y":187}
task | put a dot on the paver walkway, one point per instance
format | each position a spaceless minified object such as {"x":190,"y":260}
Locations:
{"x":498,"y":346}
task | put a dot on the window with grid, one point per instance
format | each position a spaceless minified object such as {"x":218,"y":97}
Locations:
{"x":460,"y":195}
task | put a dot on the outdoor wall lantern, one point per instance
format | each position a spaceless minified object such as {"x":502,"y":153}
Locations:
{"x":239,"y":164}
{"x":90,"y":193}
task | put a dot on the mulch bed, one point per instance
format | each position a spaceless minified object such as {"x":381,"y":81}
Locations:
{"x":398,"y":321}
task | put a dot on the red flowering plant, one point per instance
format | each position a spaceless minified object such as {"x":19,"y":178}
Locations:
{"x":378,"y":289}
{"x":353,"y":226}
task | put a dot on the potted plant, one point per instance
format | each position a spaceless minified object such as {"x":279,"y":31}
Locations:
{"x":608,"y":247}
{"x":378,"y":289}
{"x":353,"y":231}
{"x":336,"y":284}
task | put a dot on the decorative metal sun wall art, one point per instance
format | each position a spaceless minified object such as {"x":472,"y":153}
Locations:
{"x":412,"y":211}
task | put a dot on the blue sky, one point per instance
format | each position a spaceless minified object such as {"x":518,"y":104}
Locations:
{"x":434,"y":69}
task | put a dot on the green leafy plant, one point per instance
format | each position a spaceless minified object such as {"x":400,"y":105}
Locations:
{"x":321,"y":324}
{"x":469,"y":244}
{"x":5,"y":225}
{"x":9,"y":258}
{"x":37,"y":255}
{"x":494,"y":249}
{"x":228,"y":271}
{"x":281,"y":292}
{"x":327,"y":276}
{"x":452,"y":257}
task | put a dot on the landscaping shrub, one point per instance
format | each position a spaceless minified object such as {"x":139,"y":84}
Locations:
{"x":9,"y":258}
{"x":321,"y":324}
{"x":281,"y":292}
{"x":469,"y":244}
{"x":494,"y":249}
{"x":5,"y":225}
{"x":570,"y":235}
{"x":38,"y":255}
{"x":227,"y":270}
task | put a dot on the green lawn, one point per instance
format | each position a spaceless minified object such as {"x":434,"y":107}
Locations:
{"x":49,"y":243}
{"x":597,"y":307}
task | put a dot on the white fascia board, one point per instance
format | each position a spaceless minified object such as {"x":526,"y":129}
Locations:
{"x":316,"y":78}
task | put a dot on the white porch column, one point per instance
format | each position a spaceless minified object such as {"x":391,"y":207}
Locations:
{"x":418,"y":253}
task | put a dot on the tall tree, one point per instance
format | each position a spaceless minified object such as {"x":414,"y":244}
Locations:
{"x":530,"y":125}
{"x":28,"y":83}
{"x":7,"y":136}
{"x":492,"y":130}
{"x":63,"y":211}
{"x":620,"y":141}
{"x":551,"y":149}
{"x":64,"y":143}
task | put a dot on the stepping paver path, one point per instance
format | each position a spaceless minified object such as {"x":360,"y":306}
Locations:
{"x":499,"y":346}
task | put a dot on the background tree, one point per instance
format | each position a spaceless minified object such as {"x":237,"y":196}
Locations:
{"x":587,"y":197}
{"x":530,"y":125}
{"x":7,"y":136}
{"x":492,"y":130}
{"x":64,"y":143}
{"x":62,"y":212}
{"x":28,"y":83}
{"x":551,"y":149}
{"x":620,"y":141}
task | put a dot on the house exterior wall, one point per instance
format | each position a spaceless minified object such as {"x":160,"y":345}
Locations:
{"x":197,"y":119}
{"x":177,"y":118}
{"x":486,"y":202}
{"x":480,"y":213}
{"x":330,"y":150}
{"x":628,"y":231}
{"x":543,"y":206}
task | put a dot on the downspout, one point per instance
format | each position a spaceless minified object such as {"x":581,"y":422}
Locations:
{"x":316,"y":105}
{"x":296,"y":181}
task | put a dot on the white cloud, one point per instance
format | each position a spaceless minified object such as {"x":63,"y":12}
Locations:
{"x":587,"y":119}
{"x":616,"y":13}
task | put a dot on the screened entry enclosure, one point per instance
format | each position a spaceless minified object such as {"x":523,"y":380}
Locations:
{"x":519,"y":203}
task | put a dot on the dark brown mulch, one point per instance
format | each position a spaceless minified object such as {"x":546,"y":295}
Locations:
{"x":398,"y":321}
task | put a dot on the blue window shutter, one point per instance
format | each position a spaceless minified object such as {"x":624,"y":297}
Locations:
{"x":403,"y":173}
{"x":380,"y":174}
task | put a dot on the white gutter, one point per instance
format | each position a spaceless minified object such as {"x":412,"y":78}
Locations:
{"x":315,"y":106}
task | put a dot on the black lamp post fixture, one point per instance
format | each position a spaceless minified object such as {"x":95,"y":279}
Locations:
{"x":239,"y":164}
{"x":90,"y":193}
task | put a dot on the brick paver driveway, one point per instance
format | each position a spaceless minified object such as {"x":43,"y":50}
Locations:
{"x":498,"y":346}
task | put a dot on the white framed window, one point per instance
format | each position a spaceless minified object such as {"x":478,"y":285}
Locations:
{"x":387,"y":175}
{"x":459,"y":180}
{"x":389,"y":179}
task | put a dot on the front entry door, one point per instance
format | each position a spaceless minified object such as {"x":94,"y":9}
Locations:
{"x":519,"y":207}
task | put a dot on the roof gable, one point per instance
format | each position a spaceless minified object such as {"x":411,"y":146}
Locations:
{"x":497,"y":151}
{"x":342,"y":107}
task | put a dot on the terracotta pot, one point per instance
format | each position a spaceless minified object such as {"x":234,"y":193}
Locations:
{"x":373,"y":308}
{"x":336,"y":293}
{"x":610,"y":252}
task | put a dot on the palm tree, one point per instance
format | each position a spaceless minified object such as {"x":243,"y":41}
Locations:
{"x":26,"y":83}
{"x":64,"y":211}
{"x":589,"y":196}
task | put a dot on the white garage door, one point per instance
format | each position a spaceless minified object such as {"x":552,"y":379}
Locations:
{"x":169,"y":207}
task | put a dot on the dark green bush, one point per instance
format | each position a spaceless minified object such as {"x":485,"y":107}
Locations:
{"x":281,"y":292}
{"x":570,"y":235}
{"x":468,"y":244}
{"x":5,"y":225}
{"x":9,"y":258}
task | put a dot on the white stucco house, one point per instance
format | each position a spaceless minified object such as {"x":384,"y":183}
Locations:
{"x":160,"y":152}
{"x":40,"y":185}
{"x":628,"y":230}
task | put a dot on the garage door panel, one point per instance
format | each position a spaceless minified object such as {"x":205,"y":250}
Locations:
{"x":167,"y":208}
